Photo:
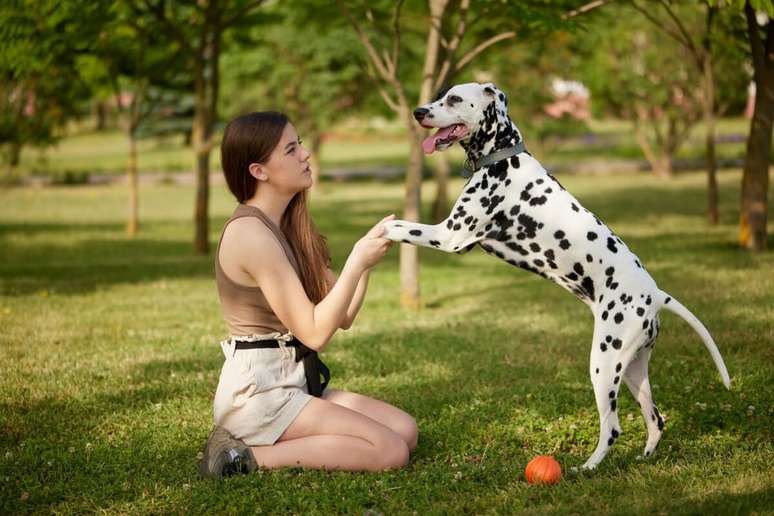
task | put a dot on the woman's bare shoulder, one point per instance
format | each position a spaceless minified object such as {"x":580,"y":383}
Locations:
{"x":246,"y":235}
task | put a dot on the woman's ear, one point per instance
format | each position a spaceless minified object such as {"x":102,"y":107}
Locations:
{"x":256,"y":170}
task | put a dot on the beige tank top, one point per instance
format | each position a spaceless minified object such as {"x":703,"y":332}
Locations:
{"x":244,"y":307}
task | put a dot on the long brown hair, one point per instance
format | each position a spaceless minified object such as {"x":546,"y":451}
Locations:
{"x":250,"y":139}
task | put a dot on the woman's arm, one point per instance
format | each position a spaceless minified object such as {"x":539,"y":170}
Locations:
{"x":314,"y":325}
{"x":357,"y":299}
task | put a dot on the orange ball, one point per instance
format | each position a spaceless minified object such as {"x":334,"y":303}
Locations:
{"x":543,"y":469}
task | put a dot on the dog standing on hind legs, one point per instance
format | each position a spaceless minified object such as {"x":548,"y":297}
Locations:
{"x":520,"y":213}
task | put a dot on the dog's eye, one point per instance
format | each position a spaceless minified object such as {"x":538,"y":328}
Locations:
{"x":453,"y":99}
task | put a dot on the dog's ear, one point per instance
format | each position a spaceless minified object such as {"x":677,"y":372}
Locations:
{"x":441,"y":93}
{"x":493,"y":91}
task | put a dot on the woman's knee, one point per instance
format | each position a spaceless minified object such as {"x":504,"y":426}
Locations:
{"x":393,"y":453}
{"x":406,"y":427}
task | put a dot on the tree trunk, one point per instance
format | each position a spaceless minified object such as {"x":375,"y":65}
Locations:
{"x":660,"y":162}
{"x":409,"y":254}
{"x":709,"y":127}
{"x":133,"y":221}
{"x":755,"y":178}
{"x":100,"y":115}
{"x":708,"y":106}
{"x":14,"y":154}
{"x":441,"y":203}
{"x":200,"y":140}
{"x":314,"y":162}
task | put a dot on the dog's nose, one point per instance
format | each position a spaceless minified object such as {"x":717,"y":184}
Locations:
{"x":420,"y":112}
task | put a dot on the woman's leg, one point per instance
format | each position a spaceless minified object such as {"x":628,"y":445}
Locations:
{"x":329,"y":436}
{"x":392,"y":417}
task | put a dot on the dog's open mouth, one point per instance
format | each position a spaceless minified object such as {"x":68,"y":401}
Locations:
{"x":444,"y":137}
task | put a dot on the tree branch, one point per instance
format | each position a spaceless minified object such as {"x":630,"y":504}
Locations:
{"x":585,"y":8}
{"x":481,"y":47}
{"x":240,"y":12}
{"x":159,"y":13}
{"x":658,"y":23}
{"x":688,"y":40}
{"x":373,"y":54}
{"x":452,"y":45}
{"x":396,"y":37}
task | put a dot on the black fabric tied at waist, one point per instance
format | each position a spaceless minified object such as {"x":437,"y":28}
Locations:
{"x":313,"y":366}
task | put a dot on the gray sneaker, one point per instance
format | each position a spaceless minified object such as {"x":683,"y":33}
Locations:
{"x":225,"y":455}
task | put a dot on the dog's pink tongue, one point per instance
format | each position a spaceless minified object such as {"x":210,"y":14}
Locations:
{"x":428,"y":145}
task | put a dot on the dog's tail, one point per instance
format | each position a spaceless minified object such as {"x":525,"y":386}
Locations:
{"x":675,"y":307}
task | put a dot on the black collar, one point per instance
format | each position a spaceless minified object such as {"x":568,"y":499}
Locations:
{"x":470,"y":166}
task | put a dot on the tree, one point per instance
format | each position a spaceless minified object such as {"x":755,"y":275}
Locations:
{"x":755,"y":178}
{"x":40,"y":88}
{"x":137,"y":66}
{"x":453,"y":37}
{"x":702,"y":37}
{"x":316,"y":83}
{"x":636,"y":74}
{"x":198,"y":28}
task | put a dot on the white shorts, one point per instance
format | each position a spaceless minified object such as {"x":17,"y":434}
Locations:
{"x":260,"y":391}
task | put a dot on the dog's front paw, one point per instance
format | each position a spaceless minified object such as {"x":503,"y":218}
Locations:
{"x":394,"y":230}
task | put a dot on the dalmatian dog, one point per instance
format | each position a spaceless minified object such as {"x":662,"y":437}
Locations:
{"x":517,"y":211}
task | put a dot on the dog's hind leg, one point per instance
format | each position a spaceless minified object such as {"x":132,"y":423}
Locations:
{"x":610,"y":356}
{"x":636,"y":378}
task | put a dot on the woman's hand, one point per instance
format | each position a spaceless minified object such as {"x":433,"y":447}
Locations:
{"x":372,"y":247}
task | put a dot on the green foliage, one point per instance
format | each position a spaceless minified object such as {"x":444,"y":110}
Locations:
{"x":314,"y":78}
{"x":40,"y":88}
{"x":109,"y":360}
{"x":766,"y":6}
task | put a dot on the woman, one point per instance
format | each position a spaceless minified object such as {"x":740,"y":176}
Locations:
{"x":276,"y":289}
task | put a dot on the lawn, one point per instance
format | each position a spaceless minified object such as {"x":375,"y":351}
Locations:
{"x":109,"y":361}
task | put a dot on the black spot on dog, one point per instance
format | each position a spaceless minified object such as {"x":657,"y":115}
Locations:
{"x":564,"y":244}
{"x":640,"y":311}
{"x":559,"y":234}
{"x":618,"y":367}
{"x":435,"y":243}
{"x":415,"y":232}
{"x":611,"y":245}
{"x":591,"y":236}
{"x":612,"y":405}
{"x":618,"y":318}
{"x":588,"y":286}
{"x":617,"y":343}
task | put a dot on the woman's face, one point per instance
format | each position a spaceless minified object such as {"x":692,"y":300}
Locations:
{"x":288,"y":166}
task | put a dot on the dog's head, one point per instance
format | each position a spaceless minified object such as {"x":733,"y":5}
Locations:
{"x":462,"y":112}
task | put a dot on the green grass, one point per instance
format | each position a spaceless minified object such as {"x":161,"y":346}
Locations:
{"x":351,"y":146}
{"x":109,"y":361}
